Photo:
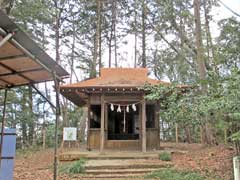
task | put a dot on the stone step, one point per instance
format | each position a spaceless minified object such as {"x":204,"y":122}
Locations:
{"x":114,"y":176}
{"x":74,"y":157}
{"x":120,"y":171}
{"x":132,"y":166}
{"x":126,"y":164}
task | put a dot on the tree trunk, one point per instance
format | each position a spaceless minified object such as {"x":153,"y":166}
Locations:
{"x":64,"y":107}
{"x":201,"y":134}
{"x":144,"y":64}
{"x":198,"y":34}
{"x":24,"y":122}
{"x":73,"y":50}
{"x":176,"y":132}
{"x":135,"y":33}
{"x":57,"y":38}
{"x":209,"y":139}
{"x":188,"y":134}
{"x":225,"y":136}
{"x":114,"y":31}
{"x":83,"y":123}
{"x":93,"y":72}
{"x":110,"y":51}
{"x":100,"y":39}
{"x":32,"y":120}
{"x":44,"y":135}
{"x":210,"y":47}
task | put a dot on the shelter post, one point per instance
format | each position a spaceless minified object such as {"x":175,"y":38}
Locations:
{"x":102,"y":134}
{"x":56,"y":86}
{"x":143,"y":120}
{"x":3,"y":125}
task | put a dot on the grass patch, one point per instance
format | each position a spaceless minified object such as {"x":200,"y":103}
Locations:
{"x":77,"y":167}
{"x":165,"y":156}
{"x":172,"y":174}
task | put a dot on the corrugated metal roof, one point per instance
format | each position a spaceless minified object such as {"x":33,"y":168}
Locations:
{"x":22,"y":61}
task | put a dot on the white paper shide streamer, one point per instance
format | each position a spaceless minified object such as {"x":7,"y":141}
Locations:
{"x":134,"y":107}
{"x":125,"y":109}
{"x":119,"y":108}
{"x":112,"y":107}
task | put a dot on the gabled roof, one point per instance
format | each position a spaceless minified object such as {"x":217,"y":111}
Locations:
{"x":22,"y":61}
{"x":118,"y":77}
{"x":120,"y":80}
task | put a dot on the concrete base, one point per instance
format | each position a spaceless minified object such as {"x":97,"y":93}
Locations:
{"x":76,"y":155}
{"x":236,"y":167}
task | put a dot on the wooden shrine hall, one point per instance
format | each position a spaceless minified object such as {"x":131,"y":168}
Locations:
{"x":119,"y":117}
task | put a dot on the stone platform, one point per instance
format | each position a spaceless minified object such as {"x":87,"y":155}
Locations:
{"x":76,"y":155}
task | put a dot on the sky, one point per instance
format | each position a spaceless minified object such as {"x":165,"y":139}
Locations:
{"x":222,"y":12}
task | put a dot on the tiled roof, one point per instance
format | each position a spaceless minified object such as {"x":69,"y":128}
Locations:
{"x":118,"y":77}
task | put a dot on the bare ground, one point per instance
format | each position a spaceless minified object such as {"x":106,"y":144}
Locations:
{"x":215,"y":160}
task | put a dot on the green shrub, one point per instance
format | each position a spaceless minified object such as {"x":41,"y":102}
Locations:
{"x":165,"y":156}
{"x":77,"y":167}
{"x":172,"y":174}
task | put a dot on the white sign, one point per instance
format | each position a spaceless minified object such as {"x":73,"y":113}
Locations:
{"x":69,"y":134}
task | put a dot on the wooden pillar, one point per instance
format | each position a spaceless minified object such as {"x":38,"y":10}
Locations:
{"x":157,"y":124}
{"x":102,"y":134}
{"x":88,"y":123}
{"x":106,"y":120}
{"x":144,"y":142}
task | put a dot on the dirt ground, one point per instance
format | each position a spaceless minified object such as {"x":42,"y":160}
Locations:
{"x":215,"y":160}
{"x":208,"y":160}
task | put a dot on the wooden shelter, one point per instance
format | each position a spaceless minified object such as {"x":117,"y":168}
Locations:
{"x":23,"y":62}
{"x":119,"y":117}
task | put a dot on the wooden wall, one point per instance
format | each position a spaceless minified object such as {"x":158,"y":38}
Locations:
{"x":153,"y":141}
{"x":94,"y":138}
{"x":122,"y":144}
{"x":152,"y":134}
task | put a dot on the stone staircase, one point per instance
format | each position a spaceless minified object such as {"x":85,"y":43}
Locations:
{"x":122,"y":169}
{"x":118,"y":165}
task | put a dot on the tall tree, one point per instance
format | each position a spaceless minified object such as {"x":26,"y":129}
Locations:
{"x":93,"y":72}
{"x":100,"y":38}
{"x":114,"y":14}
{"x":135,"y":33}
{"x":144,"y":63}
{"x":211,"y":53}
{"x":199,"y":44}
